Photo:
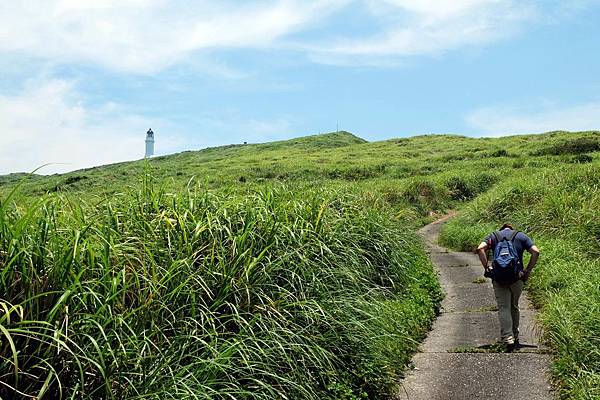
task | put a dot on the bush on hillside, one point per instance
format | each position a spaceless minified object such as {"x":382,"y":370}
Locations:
{"x":499,"y":153}
{"x":425,"y":195}
{"x":357,"y":173}
{"x":74,"y":179}
{"x":520,"y":163}
{"x":575,"y":146}
{"x":582,"y":159}
{"x":466,"y":186}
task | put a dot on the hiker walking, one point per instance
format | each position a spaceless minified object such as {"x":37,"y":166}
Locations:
{"x":508,"y":275}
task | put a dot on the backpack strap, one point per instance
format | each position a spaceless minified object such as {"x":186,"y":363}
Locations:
{"x":519,"y":261}
{"x":497,"y":237}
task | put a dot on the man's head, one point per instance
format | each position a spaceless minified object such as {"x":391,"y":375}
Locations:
{"x":509,"y":226}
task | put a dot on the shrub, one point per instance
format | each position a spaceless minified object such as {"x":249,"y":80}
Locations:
{"x":582,"y":159}
{"x":518,"y":164}
{"x":466,"y":186}
{"x":75,"y":178}
{"x":357,"y":173}
{"x":500,"y":153}
{"x":575,"y":146}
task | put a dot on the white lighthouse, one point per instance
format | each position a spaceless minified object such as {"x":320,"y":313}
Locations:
{"x":149,"y":143}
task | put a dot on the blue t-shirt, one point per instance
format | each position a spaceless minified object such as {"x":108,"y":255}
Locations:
{"x":521,"y":242}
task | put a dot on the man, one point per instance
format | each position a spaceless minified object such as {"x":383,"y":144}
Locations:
{"x":508,"y":292}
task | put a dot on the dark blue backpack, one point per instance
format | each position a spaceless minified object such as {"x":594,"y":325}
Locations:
{"x":506,"y":260}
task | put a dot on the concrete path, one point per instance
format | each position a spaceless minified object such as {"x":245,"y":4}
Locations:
{"x":459,"y":359}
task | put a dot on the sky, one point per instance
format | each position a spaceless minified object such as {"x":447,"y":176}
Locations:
{"x":81,"y":81}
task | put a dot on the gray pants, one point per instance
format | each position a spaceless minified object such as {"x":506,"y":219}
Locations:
{"x":507,"y":297}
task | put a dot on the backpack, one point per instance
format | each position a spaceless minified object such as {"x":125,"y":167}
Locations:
{"x":506,"y":261}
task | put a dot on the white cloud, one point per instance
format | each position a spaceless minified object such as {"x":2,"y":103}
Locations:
{"x":47,"y":123}
{"x":428,"y":27}
{"x":147,"y":35}
{"x":500,"y":121}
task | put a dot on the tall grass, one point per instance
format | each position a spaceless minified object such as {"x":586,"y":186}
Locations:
{"x":559,"y":208}
{"x":202,"y":295}
{"x":262,"y":286}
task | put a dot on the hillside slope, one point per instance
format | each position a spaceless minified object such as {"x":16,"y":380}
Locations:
{"x":334,"y":158}
{"x":242,"y":269}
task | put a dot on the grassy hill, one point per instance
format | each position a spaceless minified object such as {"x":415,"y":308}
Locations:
{"x":286,"y":269}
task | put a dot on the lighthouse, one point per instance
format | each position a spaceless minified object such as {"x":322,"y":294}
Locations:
{"x":149,"y":143}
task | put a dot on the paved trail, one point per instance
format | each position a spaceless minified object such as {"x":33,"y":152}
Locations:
{"x":451,"y":364}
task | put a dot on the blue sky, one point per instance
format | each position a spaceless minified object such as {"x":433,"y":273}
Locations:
{"x":82,"y":80}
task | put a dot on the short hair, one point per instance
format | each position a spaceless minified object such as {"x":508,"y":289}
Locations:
{"x":509,"y":226}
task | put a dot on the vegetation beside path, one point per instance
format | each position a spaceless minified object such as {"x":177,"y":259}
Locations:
{"x":199,"y":295}
{"x":560,"y":207}
{"x":286,"y":269}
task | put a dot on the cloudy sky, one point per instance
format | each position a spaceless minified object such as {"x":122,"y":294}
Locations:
{"x":82,"y":80}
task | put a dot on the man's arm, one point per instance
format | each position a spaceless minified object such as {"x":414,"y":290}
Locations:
{"x":482,"y":253}
{"x":535,"y":253}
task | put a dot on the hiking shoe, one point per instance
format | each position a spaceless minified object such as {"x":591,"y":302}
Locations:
{"x":509,"y":342}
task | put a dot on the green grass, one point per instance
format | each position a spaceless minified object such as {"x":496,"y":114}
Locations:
{"x":558,"y":207}
{"x":281,"y":270}
{"x":202,"y":295}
